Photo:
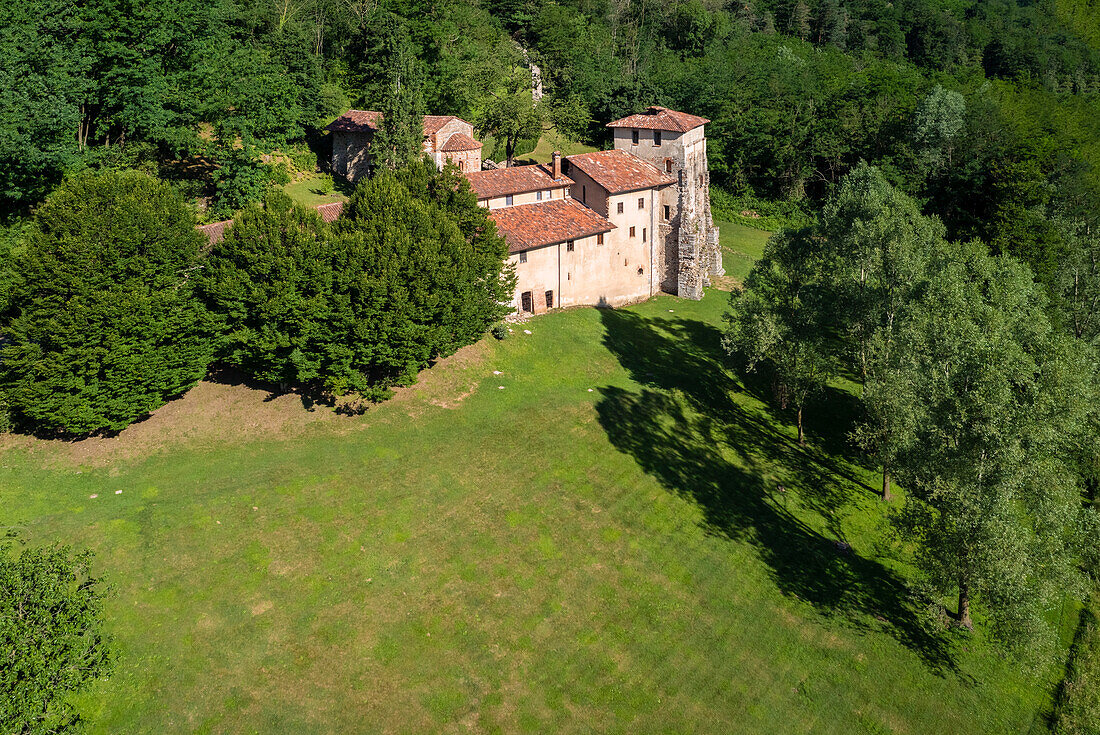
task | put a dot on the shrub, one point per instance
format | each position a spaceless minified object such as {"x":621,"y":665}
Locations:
{"x":51,"y":637}
{"x":102,"y":324}
{"x":499,"y":331}
{"x":752,"y":211}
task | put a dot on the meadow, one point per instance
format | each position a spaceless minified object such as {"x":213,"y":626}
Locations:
{"x":600,"y":526}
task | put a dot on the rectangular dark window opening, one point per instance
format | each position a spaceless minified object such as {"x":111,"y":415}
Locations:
{"x":538,"y":196}
{"x":619,"y":209}
{"x":643,"y":234}
{"x":526,"y":302}
{"x":569,"y":246}
{"x":632,"y":232}
{"x":549,"y":299}
{"x":599,"y":239}
{"x":641,"y":202}
{"x":668,"y":211}
{"x":656,"y":137}
{"x":508,"y":200}
{"x":634,"y":137}
{"x":523,"y":256}
{"x":668,"y":165}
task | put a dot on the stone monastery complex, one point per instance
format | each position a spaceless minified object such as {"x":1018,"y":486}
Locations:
{"x":603,"y":228}
{"x":609,"y":227}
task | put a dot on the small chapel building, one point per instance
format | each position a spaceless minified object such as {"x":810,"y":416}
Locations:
{"x":446,"y":138}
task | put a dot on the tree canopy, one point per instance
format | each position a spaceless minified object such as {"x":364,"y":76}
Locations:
{"x":102,"y":324}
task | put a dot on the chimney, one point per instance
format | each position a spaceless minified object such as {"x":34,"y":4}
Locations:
{"x":556,"y":165}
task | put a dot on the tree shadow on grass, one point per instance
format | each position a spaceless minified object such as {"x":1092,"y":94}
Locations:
{"x":677,"y":428}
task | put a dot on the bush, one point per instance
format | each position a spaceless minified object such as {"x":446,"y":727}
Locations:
{"x":759,"y":213}
{"x":51,"y":637}
{"x":102,"y":325}
{"x":499,"y":331}
{"x":242,"y":178}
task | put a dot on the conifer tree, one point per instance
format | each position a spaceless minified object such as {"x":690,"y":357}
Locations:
{"x":102,"y":323}
{"x":400,"y":135}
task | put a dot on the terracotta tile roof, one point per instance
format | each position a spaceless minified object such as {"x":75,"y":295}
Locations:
{"x":355,"y":121}
{"x":215,"y":231}
{"x":460,"y":142}
{"x":619,"y":171}
{"x":361,"y":121}
{"x":498,"y":182}
{"x":432,"y":123}
{"x":661,"y":118}
{"x":543,"y":223}
{"x":330,"y":212}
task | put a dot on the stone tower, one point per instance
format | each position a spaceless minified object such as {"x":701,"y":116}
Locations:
{"x":676,"y":144}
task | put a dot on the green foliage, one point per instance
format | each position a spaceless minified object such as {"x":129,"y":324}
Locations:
{"x":399,"y":139}
{"x":761,"y":214}
{"x":775,"y":320}
{"x":51,"y":637}
{"x":398,"y":281}
{"x":102,"y":325}
{"x":511,"y":115}
{"x":241,"y":178}
{"x":1002,"y":399}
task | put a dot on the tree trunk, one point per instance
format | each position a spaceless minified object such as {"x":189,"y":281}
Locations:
{"x":801,"y":435}
{"x":964,"y":607}
{"x":886,"y":496}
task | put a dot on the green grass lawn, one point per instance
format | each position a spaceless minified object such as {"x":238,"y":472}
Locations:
{"x":302,"y":191}
{"x":593,"y":540}
{"x":741,"y":246}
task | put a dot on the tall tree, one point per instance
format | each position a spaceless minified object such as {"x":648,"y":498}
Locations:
{"x":52,"y":641}
{"x":878,"y":247}
{"x":993,"y":501}
{"x":511,"y":115}
{"x":775,"y":320}
{"x":400,"y":135}
{"x":102,"y":323}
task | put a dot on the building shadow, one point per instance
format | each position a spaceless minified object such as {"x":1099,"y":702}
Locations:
{"x":685,"y":428}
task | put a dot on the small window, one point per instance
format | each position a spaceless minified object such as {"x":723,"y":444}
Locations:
{"x":641,"y":202}
{"x":668,"y":211}
{"x":538,"y":196}
{"x":569,"y":276}
{"x":569,"y":246}
{"x":643,"y":234}
{"x":599,"y":239}
{"x":641,"y":271}
{"x":656,"y":137}
{"x":549,"y":299}
{"x":526,"y":302}
{"x":508,"y":200}
{"x":523,"y":256}
{"x":634,"y":137}
{"x":620,"y":208}
{"x":632,"y":232}
{"x":668,"y":165}
{"x":700,"y":179}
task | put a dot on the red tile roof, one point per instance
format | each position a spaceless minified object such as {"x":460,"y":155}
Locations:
{"x":661,"y":118}
{"x":531,"y":225}
{"x":215,"y":231}
{"x":619,"y":171}
{"x":355,"y":121}
{"x":498,"y":182}
{"x":460,"y":142}
{"x":330,"y":212}
{"x":362,"y":121}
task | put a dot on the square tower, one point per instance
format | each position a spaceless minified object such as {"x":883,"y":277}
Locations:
{"x":675,"y":143}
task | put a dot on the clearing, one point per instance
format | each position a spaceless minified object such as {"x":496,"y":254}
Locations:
{"x":594,"y":539}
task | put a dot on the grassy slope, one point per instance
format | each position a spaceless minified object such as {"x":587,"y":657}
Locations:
{"x":301,"y":191}
{"x":600,"y":546}
{"x":741,"y":246}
